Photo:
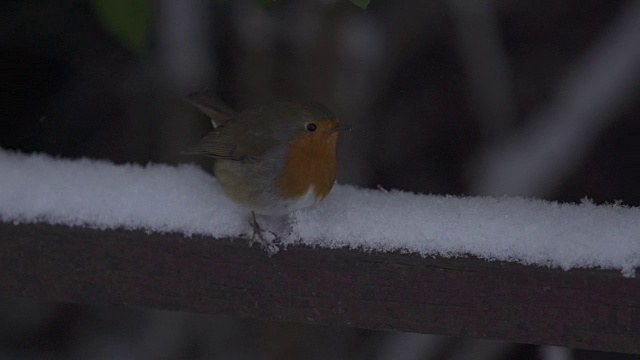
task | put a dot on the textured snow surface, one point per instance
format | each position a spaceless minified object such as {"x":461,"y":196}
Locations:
{"x":186,"y":199}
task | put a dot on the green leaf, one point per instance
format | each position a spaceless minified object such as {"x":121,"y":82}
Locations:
{"x":363,"y":4}
{"x":128,"y":20}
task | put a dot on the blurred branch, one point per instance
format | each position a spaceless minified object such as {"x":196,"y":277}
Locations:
{"x":536,"y":160}
{"x":486,"y":64}
{"x":408,"y":346}
{"x":184,"y":49}
{"x":185,"y":43}
{"x":592,"y":309}
{"x":555,"y":353}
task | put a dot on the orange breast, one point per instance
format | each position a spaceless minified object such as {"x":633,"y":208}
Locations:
{"x":310,"y":161}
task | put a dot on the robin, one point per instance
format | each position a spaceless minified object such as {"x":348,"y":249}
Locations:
{"x":273,"y":159}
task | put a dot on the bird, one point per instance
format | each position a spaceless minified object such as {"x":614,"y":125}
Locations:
{"x":272,"y":159}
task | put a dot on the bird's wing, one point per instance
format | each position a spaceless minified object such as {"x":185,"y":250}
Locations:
{"x":236,"y":139}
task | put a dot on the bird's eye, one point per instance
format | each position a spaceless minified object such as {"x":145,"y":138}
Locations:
{"x":311,"y":127}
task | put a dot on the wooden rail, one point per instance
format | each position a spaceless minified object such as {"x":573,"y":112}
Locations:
{"x":589,"y":309}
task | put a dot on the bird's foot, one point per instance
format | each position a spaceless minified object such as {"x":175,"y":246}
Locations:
{"x":265,"y":238}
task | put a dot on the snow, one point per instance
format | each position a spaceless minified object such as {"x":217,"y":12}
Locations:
{"x":186,"y":199}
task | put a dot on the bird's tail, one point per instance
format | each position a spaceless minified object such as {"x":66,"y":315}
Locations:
{"x":211,"y":105}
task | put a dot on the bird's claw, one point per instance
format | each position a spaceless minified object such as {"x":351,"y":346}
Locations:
{"x":269,"y":245}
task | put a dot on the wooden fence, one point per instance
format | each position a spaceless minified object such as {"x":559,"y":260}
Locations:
{"x":589,"y":309}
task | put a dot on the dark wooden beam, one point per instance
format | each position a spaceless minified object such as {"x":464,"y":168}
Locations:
{"x":589,"y":309}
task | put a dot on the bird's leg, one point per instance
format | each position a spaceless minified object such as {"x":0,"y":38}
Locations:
{"x":257,"y":230}
{"x":269,"y":246}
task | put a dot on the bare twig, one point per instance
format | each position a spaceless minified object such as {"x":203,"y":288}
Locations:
{"x":535,"y":161}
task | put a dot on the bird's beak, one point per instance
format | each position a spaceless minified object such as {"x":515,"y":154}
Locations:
{"x":340,"y":128}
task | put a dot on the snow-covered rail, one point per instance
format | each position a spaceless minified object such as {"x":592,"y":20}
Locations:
{"x":581,"y":308}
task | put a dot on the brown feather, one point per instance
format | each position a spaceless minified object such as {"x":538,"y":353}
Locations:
{"x":212,"y":106}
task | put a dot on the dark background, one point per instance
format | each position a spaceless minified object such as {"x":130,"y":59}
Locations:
{"x":532,"y":98}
